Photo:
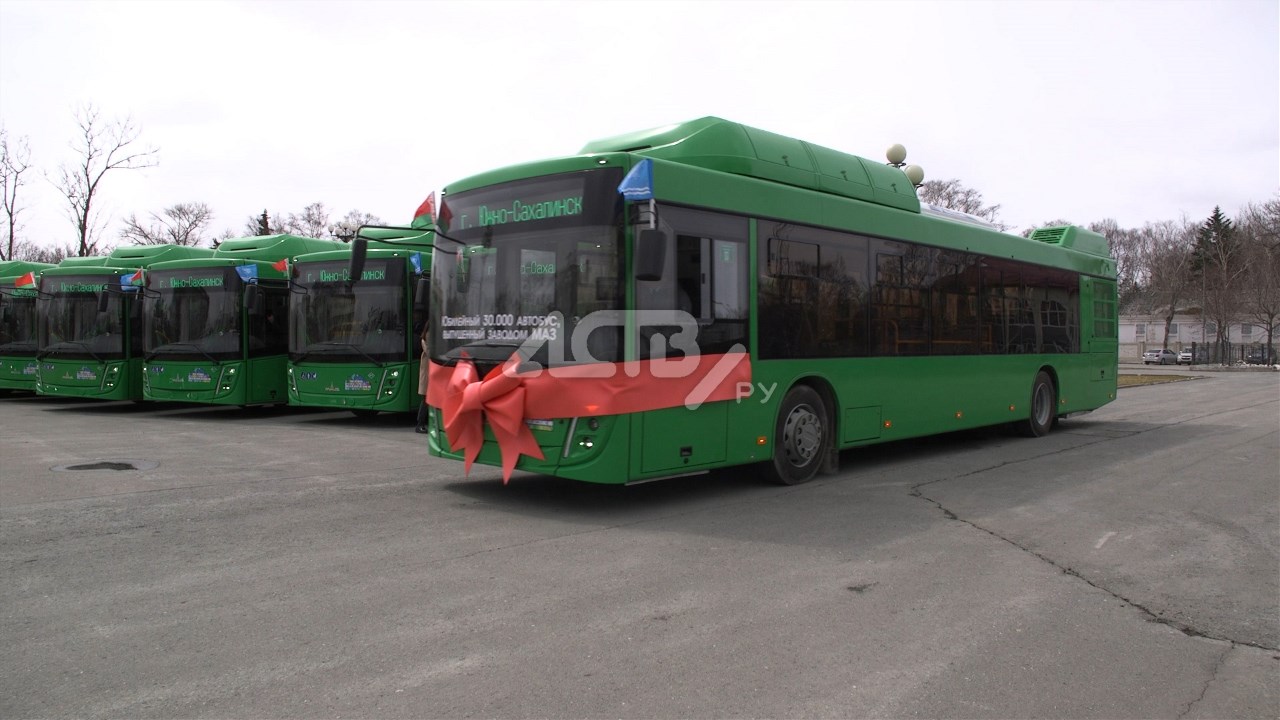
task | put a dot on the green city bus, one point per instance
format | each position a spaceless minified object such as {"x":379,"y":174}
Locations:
{"x":216,"y":328}
{"x":90,"y":322}
{"x":18,"y":283}
{"x":708,"y":294}
{"x":353,"y":343}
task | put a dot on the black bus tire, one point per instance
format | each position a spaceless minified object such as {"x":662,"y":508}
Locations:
{"x":800,"y":437}
{"x":1044,"y":408}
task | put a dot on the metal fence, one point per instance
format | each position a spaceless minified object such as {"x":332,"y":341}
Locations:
{"x":1210,"y":354}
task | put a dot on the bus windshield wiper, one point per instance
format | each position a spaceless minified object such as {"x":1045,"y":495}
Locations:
{"x":50,"y":350}
{"x":335,"y":344}
{"x":171,"y":346}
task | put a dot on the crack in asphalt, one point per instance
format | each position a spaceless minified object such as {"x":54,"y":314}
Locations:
{"x":1213,"y":676}
{"x":1185,"y":628}
{"x":1153,"y":616}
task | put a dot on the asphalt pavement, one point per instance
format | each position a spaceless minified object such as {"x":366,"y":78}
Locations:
{"x":166,"y":561}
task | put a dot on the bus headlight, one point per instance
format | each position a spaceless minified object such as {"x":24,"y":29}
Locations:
{"x":227,"y":380}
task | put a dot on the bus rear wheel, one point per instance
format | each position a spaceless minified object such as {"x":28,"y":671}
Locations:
{"x":1044,"y":406}
{"x":800,"y":436}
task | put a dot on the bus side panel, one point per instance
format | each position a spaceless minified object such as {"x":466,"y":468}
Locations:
{"x":393,"y":388}
{"x":667,"y":446}
{"x":180,"y":381}
{"x":18,"y":373}
{"x":113,"y":380}
{"x":885,"y":399}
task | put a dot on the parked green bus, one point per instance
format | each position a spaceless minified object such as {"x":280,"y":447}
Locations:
{"x":353,"y":341}
{"x":18,"y":283}
{"x":90,"y":323}
{"x":216,"y":328}
{"x":708,"y":294}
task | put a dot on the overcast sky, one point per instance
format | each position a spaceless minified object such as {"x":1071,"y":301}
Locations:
{"x":1136,"y":111}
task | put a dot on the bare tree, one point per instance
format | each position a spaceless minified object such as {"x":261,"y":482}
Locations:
{"x":313,"y":221}
{"x":358,"y":218}
{"x":1263,"y":221}
{"x":181,"y":224}
{"x":14,"y":161}
{"x":952,"y":195}
{"x":32,"y":252}
{"x":102,"y":146}
{"x":1165,"y":255}
{"x":1259,"y":227}
{"x":225,"y":235}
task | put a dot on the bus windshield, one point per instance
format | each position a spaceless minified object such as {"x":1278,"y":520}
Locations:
{"x":193,"y":314}
{"x":18,"y":322}
{"x":70,"y":324}
{"x":530,"y":260}
{"x":339,"y":321}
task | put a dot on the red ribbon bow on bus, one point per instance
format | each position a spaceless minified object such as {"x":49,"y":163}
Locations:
{"x":500,"y":397}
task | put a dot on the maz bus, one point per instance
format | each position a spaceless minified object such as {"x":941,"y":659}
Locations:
{"x":216,"y":328}
{"x":90,"y":322}
{"x":18,"y":282}
{"x":708,"y":294}
{"x":353,"y":340}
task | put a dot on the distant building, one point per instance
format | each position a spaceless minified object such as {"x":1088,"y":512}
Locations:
{"x":1142,"y":332}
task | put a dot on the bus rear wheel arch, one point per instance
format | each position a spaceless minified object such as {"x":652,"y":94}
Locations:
{"x":1043,"y":408}
{"x":801,"y":436}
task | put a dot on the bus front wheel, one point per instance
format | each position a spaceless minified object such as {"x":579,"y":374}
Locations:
{"x":800,"y":436}
{"x":1044,"y":407}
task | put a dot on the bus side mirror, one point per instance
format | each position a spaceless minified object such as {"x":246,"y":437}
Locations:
{"x":359,"y":248}
{"x":421,"y":295}
{"x":253,"y":299}
{"x":651,"y":254}
{"x":103,"y":300}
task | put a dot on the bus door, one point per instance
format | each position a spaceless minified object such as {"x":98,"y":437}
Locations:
{"x":698,"y":306}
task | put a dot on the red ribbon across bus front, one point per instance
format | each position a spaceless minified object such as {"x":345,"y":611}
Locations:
{"x":506,"y":397}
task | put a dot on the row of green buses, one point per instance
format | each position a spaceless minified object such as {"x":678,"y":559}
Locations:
{"x":258,"y":321}
{"x":18,"y":345}
{"x":709,"y":294}
{"x":663,"y":303}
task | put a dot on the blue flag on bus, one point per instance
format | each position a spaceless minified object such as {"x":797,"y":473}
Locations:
{"x":131,"y":281}
{"x":638,"y":184}
{"x":415,"y":259}
{"x":247,"y":273}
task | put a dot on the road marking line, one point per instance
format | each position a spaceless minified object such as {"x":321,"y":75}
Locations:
{"x":1103,"y":541}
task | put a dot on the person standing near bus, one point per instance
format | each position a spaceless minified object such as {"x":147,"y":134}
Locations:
{"x":423,"y":371}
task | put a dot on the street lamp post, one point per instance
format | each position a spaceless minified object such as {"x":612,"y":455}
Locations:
{"x":344,"y":230}
{"x":897,"y":157}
